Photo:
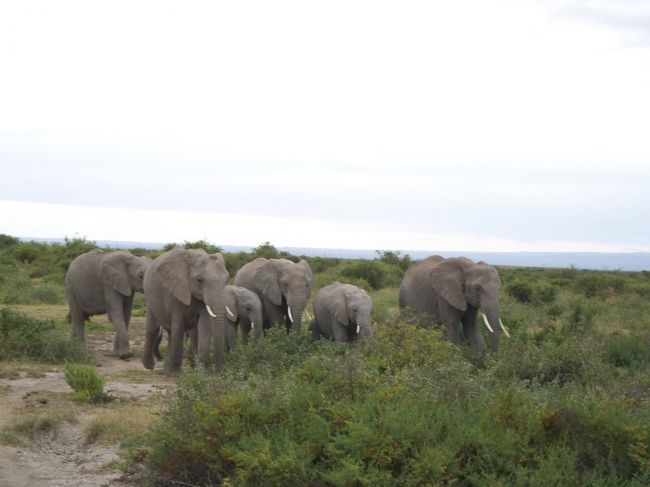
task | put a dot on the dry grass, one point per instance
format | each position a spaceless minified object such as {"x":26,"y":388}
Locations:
{"x":119,"y":422}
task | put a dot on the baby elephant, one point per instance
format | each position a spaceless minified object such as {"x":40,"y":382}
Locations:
{"x":243,"y":309}
{"x":341,"y":312}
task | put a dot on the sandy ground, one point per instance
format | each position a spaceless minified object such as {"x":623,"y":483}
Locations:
{"x":62,"y":457}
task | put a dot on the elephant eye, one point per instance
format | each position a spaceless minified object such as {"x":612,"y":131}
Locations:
{"x":199,"y":280}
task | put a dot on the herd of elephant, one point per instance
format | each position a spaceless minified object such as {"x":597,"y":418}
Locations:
{"x":186,"y":293}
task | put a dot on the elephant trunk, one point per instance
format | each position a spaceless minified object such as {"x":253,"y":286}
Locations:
{"x":364,"y":328}
{"x":214,"y":301}
{"x":295,"y":308}
{"x":492,"y":317}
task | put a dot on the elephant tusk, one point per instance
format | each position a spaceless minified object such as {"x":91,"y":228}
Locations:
{"x":358,"y":329}
{"x":487,"y":323}
{"x":308,"y":315}
{"x":252,"y":325}
{"x":289,"y":313}
{"x":232,"y":315}
{"x":210,"y":311}
{"x":504,"y":328}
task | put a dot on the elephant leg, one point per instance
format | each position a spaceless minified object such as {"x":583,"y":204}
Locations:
{"x":473,"y":332}
{"x":274,"y":314}
{"x":193,"y":335}
{"x":174,"y":357}
{"x":77,"y":317}
{"x":339,"y":332}
{"x":315,"y":332}
{"x":231,"y":335}
{"x":127,"y":304}
{"x":115,"y":309}
{"x":151,"y":338}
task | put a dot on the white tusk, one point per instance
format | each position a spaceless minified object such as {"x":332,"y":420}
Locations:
{"x":358,"y":329}
{"x":252,"y":325}
{"x":210,"y":311}
{"x":308,"y":315}
{"x":487,"y":323}
{"x":232,"y":315}
{"x":504,"y":328}
{"x":289,"y":312}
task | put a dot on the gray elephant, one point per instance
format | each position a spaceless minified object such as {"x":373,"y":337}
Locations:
{"x":243,"y":310}
{"x":100,"y":282}
{"x":282,"y":286}
{"x":451,"y":292}
{"x":185,"y":290}
{"x":341,"y":313}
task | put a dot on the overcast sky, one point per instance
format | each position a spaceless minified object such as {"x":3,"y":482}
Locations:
{"x":442,"y":125}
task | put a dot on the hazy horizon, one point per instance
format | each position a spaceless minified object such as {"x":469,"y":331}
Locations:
{"x":475,"y":125}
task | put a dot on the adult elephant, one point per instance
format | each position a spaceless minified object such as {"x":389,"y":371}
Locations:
{"x":341,"y":313}
{"x":283,"y":287}
{"x":451,"y":292}
{"x":243,"y":310}
{"x":185,"y":290}
{"x":100,"y":282}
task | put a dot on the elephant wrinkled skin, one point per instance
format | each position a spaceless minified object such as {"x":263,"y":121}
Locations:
{"x":185,"y":290}
{"x":282,"y":286}
{"x":99,"y":282}
{"x":451,"y":292}
{"x":244,"y":310}
{"x":341,"y":313}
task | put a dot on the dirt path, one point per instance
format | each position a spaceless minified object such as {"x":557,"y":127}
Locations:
{"x":61,"y":457}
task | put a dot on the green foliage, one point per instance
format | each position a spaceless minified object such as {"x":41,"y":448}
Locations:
{"x":7,"y":241}
{"x":600,"y":284}
{"x":521,"y":291}
{"x":266,"y":250}
{"x":628,"y":351}
{"x":88,"y":386}
{"x":25,"y":337}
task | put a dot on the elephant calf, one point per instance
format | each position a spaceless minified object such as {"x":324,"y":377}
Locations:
{"x":341,"y":313}
{"x":99,"y":282}
{"x":244,"y":310}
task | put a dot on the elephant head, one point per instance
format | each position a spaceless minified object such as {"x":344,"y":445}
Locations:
{"x":194,"y":276}
{"x":123,"y":271}
{"x":244,"y":304}
{"x":462,"y":282}
{"x":352,"y":307}
{"x":285,"y":283}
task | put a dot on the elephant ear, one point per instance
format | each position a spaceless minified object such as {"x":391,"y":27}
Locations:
{"x":266,"y":281}
{"x":303,"y":263}
{"x":231,"y":302}
{"x":447,"y":279}
{"x":337,"y":305}
{"x":173,"y":271}
{"x":114,"y":273}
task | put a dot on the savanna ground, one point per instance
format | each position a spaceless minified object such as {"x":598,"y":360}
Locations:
{"x":564,"y":402}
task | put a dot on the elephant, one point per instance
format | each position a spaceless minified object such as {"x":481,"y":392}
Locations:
{"x":283,"y":287}
{"x":99,"y":282}
{"x":183,"y":287}
{"x":342,"y":312}
{"x":243,"y":308}
{"x":451,"y":292}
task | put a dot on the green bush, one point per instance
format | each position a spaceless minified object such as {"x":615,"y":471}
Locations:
{"x":627,"y":351}
{"x":521,"y":291}
{"x":87,"y":385}
{"x":600,"y":284}
{"x":25,"y":337}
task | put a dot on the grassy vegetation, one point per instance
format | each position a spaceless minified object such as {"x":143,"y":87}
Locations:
{"x":564,"y":402}
{"x":87,"y":384}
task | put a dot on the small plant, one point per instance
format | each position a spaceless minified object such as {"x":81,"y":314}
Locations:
{"x":87,"y":384}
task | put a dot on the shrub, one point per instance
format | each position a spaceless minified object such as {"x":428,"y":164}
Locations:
{"x":521,"y":291}
{"x":87,"y":385}
{"x":600,"y":284}
{"x":25,"y":337}
{"x":627,"y":351}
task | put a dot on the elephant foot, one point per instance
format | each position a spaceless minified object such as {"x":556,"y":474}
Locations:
{"x":125,"y":355}
{"x":148,"y":363}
